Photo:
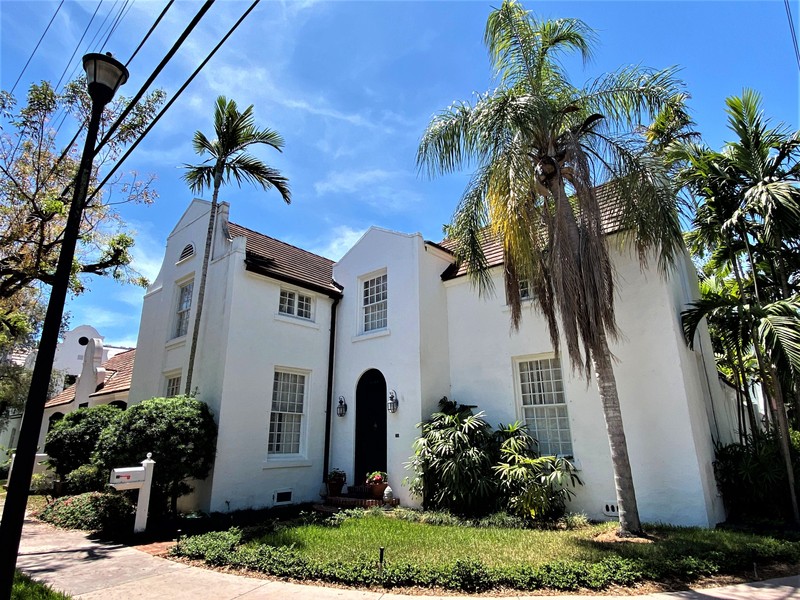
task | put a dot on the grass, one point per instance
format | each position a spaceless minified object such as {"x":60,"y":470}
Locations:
{"x":26,"y":588}
{"x":419,"y":543}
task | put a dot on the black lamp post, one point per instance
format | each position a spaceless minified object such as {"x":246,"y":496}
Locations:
{"x":104,"y":75}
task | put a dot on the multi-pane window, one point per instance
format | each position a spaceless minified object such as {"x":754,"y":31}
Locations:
{"x":173,"y":386}
{"x":524,"y":289}
{"x":295,"y":304}
{"x":184,"y":307}
{"x":286,"y":416}
{"x":375,"y":302}
{"x":544,"y":406}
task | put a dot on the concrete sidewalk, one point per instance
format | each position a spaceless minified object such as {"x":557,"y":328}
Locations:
{"x":88,"y":569}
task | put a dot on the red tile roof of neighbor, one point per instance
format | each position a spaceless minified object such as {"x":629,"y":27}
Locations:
{"x":611,"y":220}
{"x":118,"y":368}
{"x":285,"y":262}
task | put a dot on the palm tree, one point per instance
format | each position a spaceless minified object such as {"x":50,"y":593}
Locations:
{"x":747,"y":222}
{"x":540,"y":145}
{"x":228,"y":160}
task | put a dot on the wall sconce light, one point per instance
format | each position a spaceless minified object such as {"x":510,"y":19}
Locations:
{"x":341,"y":410}
{"x":391,"y":405}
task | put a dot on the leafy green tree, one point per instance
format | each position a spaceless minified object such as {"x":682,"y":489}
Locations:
{"x":228,"y":160}
{"x":540,"y":145}
{"x":73,"y":439}
{"x":180,"y":433}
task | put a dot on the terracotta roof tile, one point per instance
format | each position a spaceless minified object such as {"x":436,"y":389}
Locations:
{"x":493,"y":249}
{"x":119,"y":370}
{"x":283,"y":261}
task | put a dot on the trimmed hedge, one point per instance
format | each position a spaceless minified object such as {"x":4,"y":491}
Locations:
{"x":93,"y":511}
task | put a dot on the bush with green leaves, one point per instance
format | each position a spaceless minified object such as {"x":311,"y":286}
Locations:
{"x":72,"y":440}
{"x":86,"y":478}
{"x":93,"y":511}
{"x":179,"y":432}
{"x":752,"y":478}
{"x":462,"y":466}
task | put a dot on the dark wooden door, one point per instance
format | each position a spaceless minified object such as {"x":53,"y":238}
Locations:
{"x":370,"y":425}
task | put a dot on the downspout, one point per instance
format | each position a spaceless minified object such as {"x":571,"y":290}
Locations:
{"x":329,"y":399}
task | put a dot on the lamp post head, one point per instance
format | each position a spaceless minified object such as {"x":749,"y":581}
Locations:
{"x":104,"y":75}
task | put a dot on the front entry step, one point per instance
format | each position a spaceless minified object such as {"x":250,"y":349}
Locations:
{"x":350,"y":502}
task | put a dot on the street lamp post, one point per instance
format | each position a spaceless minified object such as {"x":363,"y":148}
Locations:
{"x":104,"y":75}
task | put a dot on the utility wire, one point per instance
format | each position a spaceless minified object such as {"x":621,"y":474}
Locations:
{"x":85,"y":31}
{"x":46,"y":29}
{"x":117,"y":21}
{"x":172,"y":100}
{"x":167,"y":57}
{"x":793,"y":32}
{"x":147,"y":35}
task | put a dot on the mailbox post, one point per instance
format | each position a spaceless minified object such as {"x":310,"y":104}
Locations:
{"x":136,"y":478}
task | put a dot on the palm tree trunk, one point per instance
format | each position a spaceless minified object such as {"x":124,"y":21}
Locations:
{"x":201,"y":292}
{"x":629,"y":523}
{"x":783,"y":436}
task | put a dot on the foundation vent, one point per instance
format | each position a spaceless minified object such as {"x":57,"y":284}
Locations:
{"x":282,"y":497}
{"x":610,"y":509}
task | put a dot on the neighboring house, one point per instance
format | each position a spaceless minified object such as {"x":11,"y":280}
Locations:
{"x":99,"y":382}
{"x":287,"y":336}
{"x":67,"y":365}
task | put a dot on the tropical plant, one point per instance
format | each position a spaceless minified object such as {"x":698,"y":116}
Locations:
{"x":228,"y":160}
{"x":377,"y":477}
{"x":540,"y":146}
{"x":453,"y":459}
{"x":745,"y":231}
{"x":337,"y":475}
{"x":179,"y":432}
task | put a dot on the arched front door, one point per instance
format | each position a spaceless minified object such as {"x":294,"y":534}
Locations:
{"x":370,"y":425}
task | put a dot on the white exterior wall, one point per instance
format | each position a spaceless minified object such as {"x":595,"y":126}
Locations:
{"x":662,"y":402}
{"x":415,"y":305}
{"x":261,"y":340}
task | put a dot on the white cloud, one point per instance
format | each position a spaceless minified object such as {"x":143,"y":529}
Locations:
{"x":148,"y":253}
{"x":352,"y":181}
{"x":340,"y":240}
{"x":379,"y":188}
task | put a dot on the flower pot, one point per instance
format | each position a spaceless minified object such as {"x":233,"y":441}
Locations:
{"x":335,"y":488}
{"x":376,"y":490}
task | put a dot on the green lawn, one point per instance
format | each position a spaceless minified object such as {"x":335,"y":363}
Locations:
{"x":26,"y":588}
{"x":419,"y":543}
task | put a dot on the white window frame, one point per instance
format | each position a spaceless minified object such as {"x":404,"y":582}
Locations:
{"x":542,"y":403}
{"x":289,"y":302}
{"x":181,"y":327}
{"x":374,"y":301}
{"x":168,"y":379}
{"x":525,"y":289}
{"x":298,"y":446}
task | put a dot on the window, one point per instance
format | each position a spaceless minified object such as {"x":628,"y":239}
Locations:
{"x":286,"y":416}
{"x":543,"y":405}
{"x":524,"y":289}
{"x":184,"y":307}
{"x":295,"y":304}
{"x":173,"y":386}
{"x":375,"y":302}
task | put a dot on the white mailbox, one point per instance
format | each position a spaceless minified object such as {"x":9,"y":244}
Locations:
{"x":129,"y":478}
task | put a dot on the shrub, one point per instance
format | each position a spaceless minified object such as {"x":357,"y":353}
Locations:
{"x":42,"y":483}
{"x":93,"y":511}
{"x":752,"y":478}
{"x":72,"y":440}
{"x":452,"y":462}
{"x":86,"y":478}
{"x":181,"y":434}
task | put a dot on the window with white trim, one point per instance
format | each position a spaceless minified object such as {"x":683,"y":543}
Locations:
{"x":184,"y":308}
{"x":544,"y":406}
{"x":286,"y":415}
{"x":524,"y":289}
{"x":295,"y":304}
{"x":375,"y":302}
{"x":173,"y":386}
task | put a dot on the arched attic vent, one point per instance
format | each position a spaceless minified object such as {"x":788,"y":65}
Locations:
{"x":187,"y":252}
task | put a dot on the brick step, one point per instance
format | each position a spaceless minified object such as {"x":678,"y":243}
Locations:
{"x":350,"y":502}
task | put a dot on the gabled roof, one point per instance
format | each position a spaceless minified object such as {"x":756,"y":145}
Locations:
{"x":118,"y":379}
{"x":282,"y":261}
{"x":611,"y":221}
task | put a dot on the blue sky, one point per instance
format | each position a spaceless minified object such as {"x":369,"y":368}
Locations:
{"x":351,"y":86}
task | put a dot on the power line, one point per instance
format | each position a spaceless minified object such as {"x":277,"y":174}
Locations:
{"x":172,"y":100}
{"x":85,"y":31}
{"x":46,"y":29}
{"x":119,"y":18}
{"x":147,"y":35}
{"x":792,"y":31}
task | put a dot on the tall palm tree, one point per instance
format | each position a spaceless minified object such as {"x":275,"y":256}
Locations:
{"x":540,"y":145}
{"x":228,"y":160}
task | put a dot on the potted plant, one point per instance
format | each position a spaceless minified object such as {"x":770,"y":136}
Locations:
{"x":336,"y":480}
{"x":377,"y":482}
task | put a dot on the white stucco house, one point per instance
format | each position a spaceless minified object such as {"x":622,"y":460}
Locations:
{"x":288,"y":336}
